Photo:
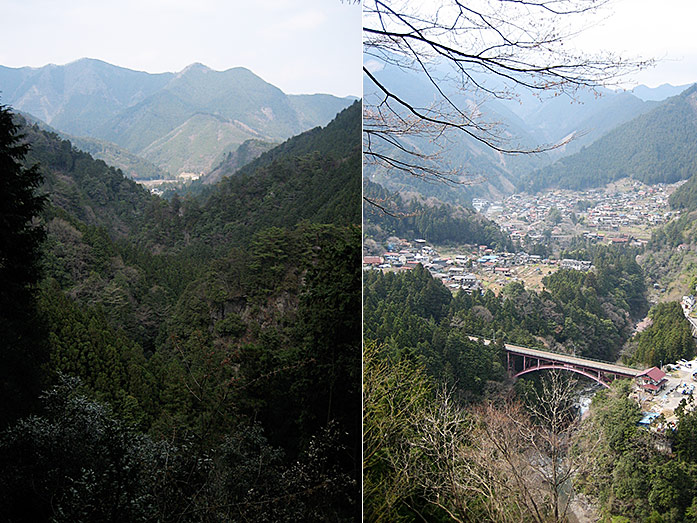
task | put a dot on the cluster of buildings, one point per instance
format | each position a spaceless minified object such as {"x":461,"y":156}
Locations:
{"x":563,"y":213}
{"x":404,"y":255}
{"x":661,"y":393}
{"x":464,"y":270}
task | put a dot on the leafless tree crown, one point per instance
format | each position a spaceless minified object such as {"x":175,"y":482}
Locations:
{"x":481,"y":49}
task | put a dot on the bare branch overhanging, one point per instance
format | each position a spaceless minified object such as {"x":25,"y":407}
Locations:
{"x":518,"y":43}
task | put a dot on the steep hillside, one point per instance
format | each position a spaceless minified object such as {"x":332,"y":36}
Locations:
{"x":313,"y":108}
{"x":433,"y":220}
{"x":228,"y":327}
{"x":85,"y":188}
{"x":235,"y":160}
{"x":685,"y":196}
{"x":311,"y":177}
{"x":587,"y":118}
{"x":132,"y":165}
{"x":198,"y":144}
{"x":659,"y":146}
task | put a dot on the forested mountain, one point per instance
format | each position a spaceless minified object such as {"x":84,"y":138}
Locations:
{"x":132,"y":165}
{"x":656,"y":147}
{"x":587,"y":117}
{"x":86,"y":189}
{"x":310,"y":177}
{"x":685,"y":196}
{"x":202,"y":355}
{"x":78,"y":97}
{"x":430,"y":386}
{"x":183,"y":122}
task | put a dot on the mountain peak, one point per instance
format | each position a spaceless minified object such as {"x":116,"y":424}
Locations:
{"x":196,"y":66}
{"x":87,"y":60}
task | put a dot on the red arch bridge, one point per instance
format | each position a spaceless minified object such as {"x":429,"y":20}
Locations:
{"x":522,"y":360}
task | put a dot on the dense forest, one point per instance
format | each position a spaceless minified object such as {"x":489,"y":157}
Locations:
{"x":588,"y":314}
{"x":656,"y":147}
{"x":448,"y":437}
{"x":437,"y":222}
{"x":199,"y":358}
{"x":631,"y":474}
{"x":667,"y":339}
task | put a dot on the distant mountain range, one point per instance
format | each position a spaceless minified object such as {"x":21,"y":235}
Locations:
{"x":527,"y":121}
{"x":180,"y":122}
{"x":659,"y":93}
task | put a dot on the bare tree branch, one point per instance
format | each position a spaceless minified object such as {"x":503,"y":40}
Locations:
{"x":467,"y":51}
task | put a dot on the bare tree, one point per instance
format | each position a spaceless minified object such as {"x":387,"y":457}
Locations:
{"x":554,"y":414}
{"x":499,"y":461}
{"x":438,"y":459}
{"x":523,"y":452}
{"x":503,"y":454}
{"x":482,"y":48}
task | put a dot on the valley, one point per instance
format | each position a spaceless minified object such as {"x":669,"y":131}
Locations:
{"x":585,"y":250}
{"x":164,"y":346}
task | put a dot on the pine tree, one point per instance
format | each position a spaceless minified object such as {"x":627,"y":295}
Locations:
{"x":22,"y":350}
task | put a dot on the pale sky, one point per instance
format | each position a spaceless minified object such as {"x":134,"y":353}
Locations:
{"x":306,"y":46}
{"x":662,"y":30}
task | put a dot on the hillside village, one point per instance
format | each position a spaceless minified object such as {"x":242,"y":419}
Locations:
{"x":470,"y":268}
{"x":620,"y":212}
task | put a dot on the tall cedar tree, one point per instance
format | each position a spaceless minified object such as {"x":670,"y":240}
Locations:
{"x":22,"y":349}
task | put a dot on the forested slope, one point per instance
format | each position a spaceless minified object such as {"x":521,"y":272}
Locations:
{"x":309,"y":177}
{"x":656,"y":147}
{"x":431,"y":219}
{"x":223,"y":333}
{"x":445,"y":433}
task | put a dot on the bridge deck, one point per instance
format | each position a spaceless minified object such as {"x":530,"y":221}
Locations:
{"x":573,"y":360}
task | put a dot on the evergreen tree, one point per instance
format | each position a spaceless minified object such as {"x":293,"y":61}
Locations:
{"x":22,"y":349}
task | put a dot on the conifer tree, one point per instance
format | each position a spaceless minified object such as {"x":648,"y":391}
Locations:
{"x":22,"y":351}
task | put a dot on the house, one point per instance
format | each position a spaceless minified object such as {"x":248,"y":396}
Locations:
{"x":372,"y":260}
{"x":578,"y":265}
{"x":652,"y":380}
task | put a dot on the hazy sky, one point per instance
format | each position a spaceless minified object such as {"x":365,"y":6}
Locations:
{"x":634,"y":29}
{"x":662,"y":30}
{"x":300,"y":46}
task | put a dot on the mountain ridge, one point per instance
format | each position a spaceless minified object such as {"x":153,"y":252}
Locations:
{"x":523,"y":121}
{"x":654,"y":147}
{"x":135,"y":109}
